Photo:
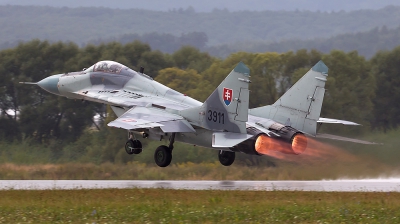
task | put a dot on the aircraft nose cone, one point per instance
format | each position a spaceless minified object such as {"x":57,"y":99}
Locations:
{"x":50,"y":84}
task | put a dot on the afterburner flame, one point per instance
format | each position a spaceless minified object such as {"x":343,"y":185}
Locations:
{"x":299,"y":144}
{"x":302,"y":149}
{"x":263,"y":144}
{"x":266,"y":145}
{"x":311,"y":150}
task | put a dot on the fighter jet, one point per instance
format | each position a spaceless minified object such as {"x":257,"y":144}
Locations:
{"x":224,"y":122}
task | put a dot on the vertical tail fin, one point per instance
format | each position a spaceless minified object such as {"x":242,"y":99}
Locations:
{"x":226,"y":109}
{"x":300,"y":106}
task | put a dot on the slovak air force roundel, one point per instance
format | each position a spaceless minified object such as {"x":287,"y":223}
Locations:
{"x":227,"y":96}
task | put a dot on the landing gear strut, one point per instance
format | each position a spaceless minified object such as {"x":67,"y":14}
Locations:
{"x":226,"y":158}
{"x":133,"y":146}
{"x":163,"y":154}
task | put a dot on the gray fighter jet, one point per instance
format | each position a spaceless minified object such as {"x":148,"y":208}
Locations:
{"x":148,"y":109}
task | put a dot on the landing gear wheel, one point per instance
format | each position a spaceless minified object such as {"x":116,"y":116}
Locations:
{"x":163,"y":156}
{"x":226,"y":158}
{"x":133,"y":147}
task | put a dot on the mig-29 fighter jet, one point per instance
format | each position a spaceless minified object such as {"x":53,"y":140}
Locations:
{"x":223,"y":122}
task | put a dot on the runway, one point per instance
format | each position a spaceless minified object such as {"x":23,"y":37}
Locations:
{"x":367,"y":185}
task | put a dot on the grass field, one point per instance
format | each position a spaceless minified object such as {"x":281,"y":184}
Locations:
{"x":192,"y":171}
{"x":184,"y":206}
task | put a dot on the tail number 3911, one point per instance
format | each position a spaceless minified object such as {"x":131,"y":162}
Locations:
{"x":215,"y":116}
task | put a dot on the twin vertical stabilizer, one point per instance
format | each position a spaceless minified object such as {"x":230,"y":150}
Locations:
{"x":300,"y":107}
{"x":226,"y":109}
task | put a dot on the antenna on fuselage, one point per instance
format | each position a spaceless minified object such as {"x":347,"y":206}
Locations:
{"x":141,"y":71}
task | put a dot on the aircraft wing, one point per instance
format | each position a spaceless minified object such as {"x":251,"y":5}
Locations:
{"x":335,"y":121}
{"x":125,"y":98}
{"x":143,"y":117}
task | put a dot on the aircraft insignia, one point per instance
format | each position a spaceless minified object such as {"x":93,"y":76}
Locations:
{"x":227,"y":96}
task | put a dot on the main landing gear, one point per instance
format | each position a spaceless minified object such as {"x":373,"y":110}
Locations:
{"x":226,"y":158}
{"x":163,"y":154}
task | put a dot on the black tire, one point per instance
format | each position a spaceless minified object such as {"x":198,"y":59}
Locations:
{"x":137,"y":147}
{"x":162,"y":156}
{"x":226,"y":158}
{"x":133,"y":147}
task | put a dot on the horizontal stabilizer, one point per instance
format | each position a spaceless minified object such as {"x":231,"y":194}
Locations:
{"x":228,"y":139}
{"x":340,"y":138}
{"x":335,"y":121}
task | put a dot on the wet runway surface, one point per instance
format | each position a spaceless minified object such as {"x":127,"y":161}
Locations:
{"x":368,"y":185}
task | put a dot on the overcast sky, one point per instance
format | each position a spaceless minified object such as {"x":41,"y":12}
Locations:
{"x":209,"y":5}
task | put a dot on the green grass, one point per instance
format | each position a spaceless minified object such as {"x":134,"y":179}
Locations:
{"x":184,"y":206}
{"x":192,"y":171}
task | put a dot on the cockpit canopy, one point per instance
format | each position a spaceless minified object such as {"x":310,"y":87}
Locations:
{"x":106,"y":66}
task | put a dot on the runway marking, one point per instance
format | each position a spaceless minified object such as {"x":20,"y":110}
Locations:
{"x":372,"y":185}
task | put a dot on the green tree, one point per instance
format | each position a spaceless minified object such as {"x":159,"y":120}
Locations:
{"x":266,"y":71}
{"x":115,"y":140}
{"x":41,"y":115}
{"x":301,"y":59}
{"x":184,"y":81}
{"x":350,"y":88}
{"x":386,"y":68}
{"x":188,"y":57}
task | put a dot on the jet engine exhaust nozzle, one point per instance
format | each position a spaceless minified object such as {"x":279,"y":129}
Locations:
{"x":264,"y":144}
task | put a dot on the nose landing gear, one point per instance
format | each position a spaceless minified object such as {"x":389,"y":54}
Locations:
{"x":133,"y":146}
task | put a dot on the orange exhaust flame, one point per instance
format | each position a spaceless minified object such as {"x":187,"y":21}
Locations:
{"x":305,"y":148}
{"x":299,"y":144}
{"x":266,"y":146}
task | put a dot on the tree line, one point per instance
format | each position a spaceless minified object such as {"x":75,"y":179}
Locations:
{"x":80,"y":25}
{"x":360,"y":90}
{"x":208,"y":5}
{"x":164,"y":42}
{"x":366,"y":43}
